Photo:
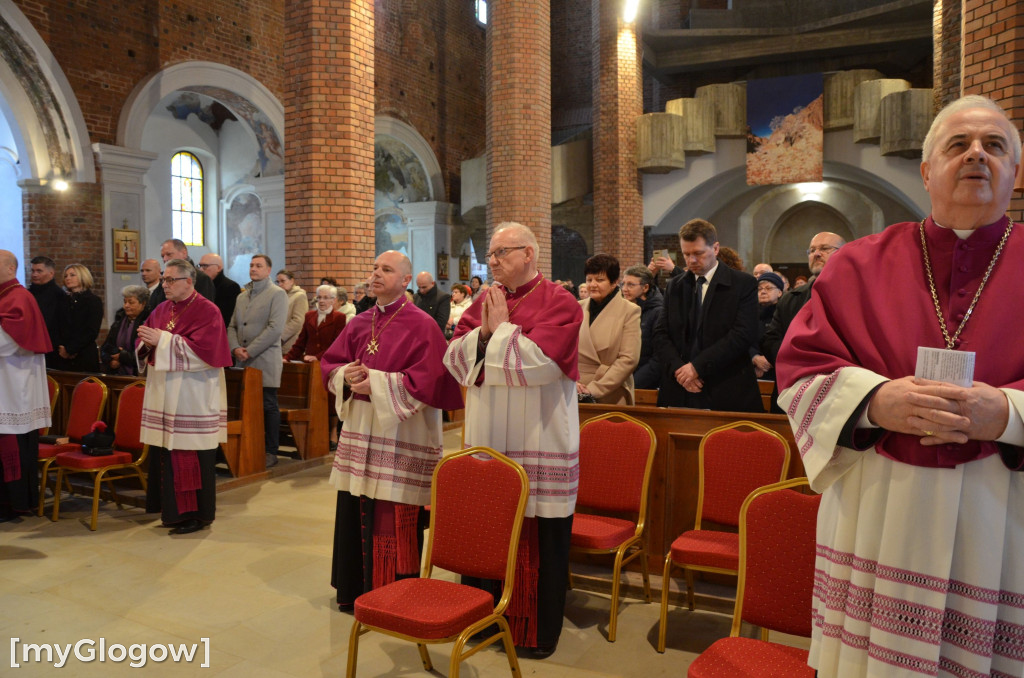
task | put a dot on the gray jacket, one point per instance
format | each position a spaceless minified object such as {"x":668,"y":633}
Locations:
{"x":259,"y":318}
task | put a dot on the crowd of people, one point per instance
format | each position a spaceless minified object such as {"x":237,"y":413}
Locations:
{"x":919,"y":531}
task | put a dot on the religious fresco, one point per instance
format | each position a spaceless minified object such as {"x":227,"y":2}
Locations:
{"x":785,"y":130}
{"x":399,"y":178}
{"x":271,"y":150}
{"x":244,"y":235}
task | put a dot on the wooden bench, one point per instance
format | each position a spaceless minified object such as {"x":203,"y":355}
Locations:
{"x":244,"y":449}
{"x":674,"y":475}
{"x":303,"y":402}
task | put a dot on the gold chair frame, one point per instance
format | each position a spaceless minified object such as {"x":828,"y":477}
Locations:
{"x":496,"y":617}
{"x":46,"y":464}
{"x":688,"y":570}
{"x":108,"y":473}
{"x":638,"y":539}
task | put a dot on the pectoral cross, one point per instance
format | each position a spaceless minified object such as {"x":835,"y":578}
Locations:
{"x":372,"y":347}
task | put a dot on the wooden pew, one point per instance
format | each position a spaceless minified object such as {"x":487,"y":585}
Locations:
{"x":303,"y":402}
{"x":766,"y":386}
{"x":244,"y":449}
{"x":674,"y":480}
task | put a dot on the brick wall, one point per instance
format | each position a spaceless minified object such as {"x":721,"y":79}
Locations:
{"x":993,"y":45}
{"x":946,"y":60}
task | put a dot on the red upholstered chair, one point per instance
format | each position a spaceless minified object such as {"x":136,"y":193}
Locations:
{"x":53,"y":388}
{"x":126,"y":460}
{"x":477,"y":508}
{"x":87,"y":403}
{"x":615,"y":470}
{"x":777,"y":545}
{"x":733,"y":463}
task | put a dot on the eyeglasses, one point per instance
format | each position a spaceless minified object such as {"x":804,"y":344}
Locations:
{"x":632,"y":284}
{"x":167,"y":280}
{"x":205,"y":265}
{"x":824,"y":249}
{"x":766,"y":288}
{"x":500,"y":253}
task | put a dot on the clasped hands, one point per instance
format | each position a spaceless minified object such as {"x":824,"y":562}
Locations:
{"x":356,"y":376}
{"x":493,"y":312}
{"x":688,"y":378}
{"x":150,"y":336}
{"x":939,"y":412}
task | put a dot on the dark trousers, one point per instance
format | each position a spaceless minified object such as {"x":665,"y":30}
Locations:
{"x":271,"y":420}
{"x":21,"y":496}
{"x":160,"y":487}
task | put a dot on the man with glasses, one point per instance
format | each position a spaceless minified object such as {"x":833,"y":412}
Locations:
{"x":185,"y":348}
{"x":709,"y":322}
{"x":176,"y":249}
{"x":226,"y":289}
{"x":515,"y":351}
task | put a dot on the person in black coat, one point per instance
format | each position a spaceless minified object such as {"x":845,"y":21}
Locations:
{"x":52,"y":300}
{"x":431,"y":300}
{"x":638,"y":286}
{"x":227,"y":290}
{"x":703,"y":342}
{"x":118,"y":351}
{"x":77,"y":351}
{"x":176,"y":249}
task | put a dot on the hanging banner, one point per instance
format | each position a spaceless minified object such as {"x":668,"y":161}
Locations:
{"x":784,"y":130}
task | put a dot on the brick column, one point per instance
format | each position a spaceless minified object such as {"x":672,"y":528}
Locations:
{"x":519,"y":119}
{"x":993,"y":60}
{"x":618,"y":102}
{"x":329,"y":112}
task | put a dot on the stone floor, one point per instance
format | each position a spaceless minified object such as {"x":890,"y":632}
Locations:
{"x":257,"y":585}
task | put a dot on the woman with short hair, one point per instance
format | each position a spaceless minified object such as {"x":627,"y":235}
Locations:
{"x":81,"y":326}
{"x":298,"y":306}
{"x":118,"y":351}
{"x":609,"y":346}
{"x":462,"y":298}
{"x":638,"y":286}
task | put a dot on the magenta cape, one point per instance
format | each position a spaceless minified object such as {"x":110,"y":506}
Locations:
{"x":412,"y":344}
{"x":21,"y":318}
{"x":550,"y":318}
{"x":871,"y":307}
{"x":200,"y":324}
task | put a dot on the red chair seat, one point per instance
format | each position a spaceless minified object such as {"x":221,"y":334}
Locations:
{"x":424,"y":608}
{"x":600,"y":532}
{"x":46,"y":450}
{"x":707,"y":548}
{"x":81,"y":460}
{"x":738,"y":657}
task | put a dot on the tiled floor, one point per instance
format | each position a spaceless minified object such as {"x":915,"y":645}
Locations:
{"x":257,"y":584}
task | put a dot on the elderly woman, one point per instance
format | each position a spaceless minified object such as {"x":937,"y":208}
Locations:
{"x":344,"y":305}
{"x":78,"y":351}
{"x":118,"y":352}
{"x":609,"y":348}
{"x":638,"y":286}
{"x":462,"y":298}
{"x":319,"y":327}
{"x":298,"y":306}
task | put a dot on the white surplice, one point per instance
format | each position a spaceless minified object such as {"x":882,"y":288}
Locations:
{"x":24,"y":397}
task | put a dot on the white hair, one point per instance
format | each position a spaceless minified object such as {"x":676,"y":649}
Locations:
{"x":961,"y":104}
{"x":331,"y":290}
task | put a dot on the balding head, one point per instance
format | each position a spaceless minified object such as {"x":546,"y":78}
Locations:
{"x":173,"y":249}
{"x":424,"y":282}
{"x":392,"y":272}
{"x":150,"y":272}
{"x":513,"y":254}
{"x":211,"y":264}
{"x":8,"y":266}
{"x":823,"y":246}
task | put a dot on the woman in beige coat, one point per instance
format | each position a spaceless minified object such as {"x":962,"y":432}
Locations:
{"x":609,"y":336}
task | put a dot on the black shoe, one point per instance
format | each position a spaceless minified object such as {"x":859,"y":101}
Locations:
{"x":271,"y":460}
{"x":188,"y":527}
{"x":540,"y":652}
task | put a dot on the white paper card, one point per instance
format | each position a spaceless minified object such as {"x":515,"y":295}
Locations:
{"x":938,"y":364}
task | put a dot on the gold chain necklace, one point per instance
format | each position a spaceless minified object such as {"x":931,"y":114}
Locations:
{"x":373,"y":346}
{"x":950,"y":341}
{"x":174,"y":315}
{"x":523,"y":298}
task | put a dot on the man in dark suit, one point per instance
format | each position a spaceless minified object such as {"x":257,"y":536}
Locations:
{"x":706,"y":329}
{"x":431,"y":300}
{"x":227,"y":289}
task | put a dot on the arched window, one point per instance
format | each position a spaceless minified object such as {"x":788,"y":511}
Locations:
{"x":187,"y":198}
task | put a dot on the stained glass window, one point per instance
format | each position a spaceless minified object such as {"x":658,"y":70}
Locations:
{"x":187,"y":198}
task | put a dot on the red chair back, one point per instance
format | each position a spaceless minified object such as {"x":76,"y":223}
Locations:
{"x":615,"y":462}
{"x":128,"y":426}
{"x":777,"y":558}
{"x":87,"y":401}
{"x":476,"y":513}
{"x":734,"y":464}
{"x":53,"y":389}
